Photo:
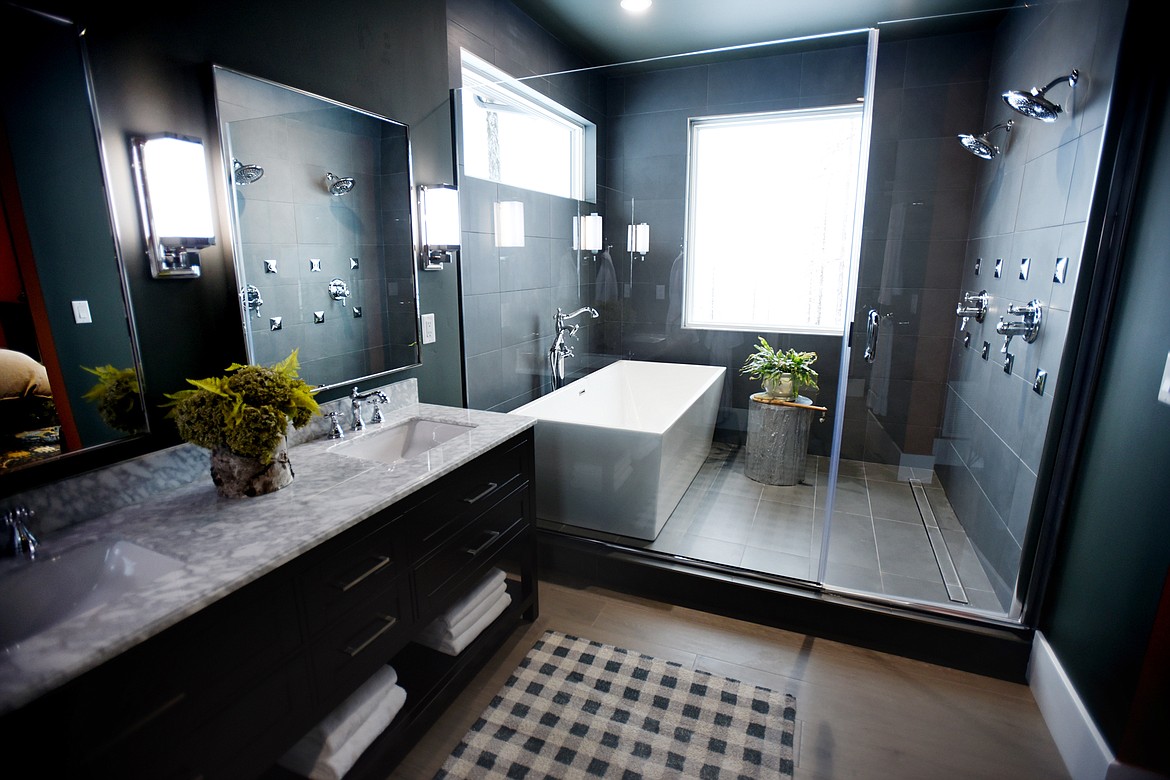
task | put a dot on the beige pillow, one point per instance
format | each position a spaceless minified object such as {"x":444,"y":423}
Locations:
{"x":22,"y":377}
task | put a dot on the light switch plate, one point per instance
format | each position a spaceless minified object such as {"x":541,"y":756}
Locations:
{"x":81,"y":313}
{"x":1164,"y":390}
{"x":428,"y":328}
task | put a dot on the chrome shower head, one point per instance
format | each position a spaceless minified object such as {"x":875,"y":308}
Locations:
{"x":1033,"y":103}
{"x":338,"y":185}
{"x":245,"y":174}
{"x":979,"y":145}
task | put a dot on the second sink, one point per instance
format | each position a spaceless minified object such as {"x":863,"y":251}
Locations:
{"x":402,"y":441}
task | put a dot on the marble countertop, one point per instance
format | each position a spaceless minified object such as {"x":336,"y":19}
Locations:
{"x":223,"y":544}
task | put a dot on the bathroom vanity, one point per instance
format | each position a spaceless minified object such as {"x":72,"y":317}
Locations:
{"x":284,"y":605}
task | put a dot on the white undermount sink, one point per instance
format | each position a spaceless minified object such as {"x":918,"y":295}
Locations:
{"x":402,"y":441}
{"x":48,"y":591}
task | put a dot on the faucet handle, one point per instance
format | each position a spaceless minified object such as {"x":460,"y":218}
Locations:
{"x":376,"y":401}
{"x":18,"y":540}
{"x":335,"y":431}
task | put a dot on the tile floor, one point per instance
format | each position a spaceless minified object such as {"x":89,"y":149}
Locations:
{"x":878,"y":543}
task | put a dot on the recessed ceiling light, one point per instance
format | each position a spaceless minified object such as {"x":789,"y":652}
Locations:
{"x":636,"y":6}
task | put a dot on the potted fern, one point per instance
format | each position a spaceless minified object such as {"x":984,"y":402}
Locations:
{"x":783,"y":373}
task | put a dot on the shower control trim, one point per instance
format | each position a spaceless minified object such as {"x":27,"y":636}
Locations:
{"x":972,"y":305}
{"x":1028,"y":328}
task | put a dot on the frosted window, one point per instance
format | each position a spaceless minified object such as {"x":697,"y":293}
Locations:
{"x":514,"y":135}
{"x":770,"y":220}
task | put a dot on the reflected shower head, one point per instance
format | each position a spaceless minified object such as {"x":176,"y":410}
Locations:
{"x":1033,"y":103}
{"x":338,"y":185}
{"x":979,"y":145}
{"x":245,"y":174}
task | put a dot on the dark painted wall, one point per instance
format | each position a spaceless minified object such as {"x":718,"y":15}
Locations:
{"x":1115,"y":554}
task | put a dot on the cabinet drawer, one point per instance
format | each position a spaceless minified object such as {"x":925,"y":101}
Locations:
{"x":359,"y":642}
{"x":349,"y":576}
{"x":475,"y":487}
{"x":469,"y":549}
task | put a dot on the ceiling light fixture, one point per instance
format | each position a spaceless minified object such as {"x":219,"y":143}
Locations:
{"x":636,"y":6}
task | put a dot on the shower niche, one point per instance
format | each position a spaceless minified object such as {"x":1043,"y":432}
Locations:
{"x":322,"y":235}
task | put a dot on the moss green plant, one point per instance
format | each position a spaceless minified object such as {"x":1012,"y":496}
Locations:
{"x":247,"y":410}
{"x":118,"y":397}
{"x":768,"y":363}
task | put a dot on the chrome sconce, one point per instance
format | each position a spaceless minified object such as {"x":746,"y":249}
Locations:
{"x":174,"y":196}
{"x":1028,"y":328}
{"x":588,"y":232}
{"x":509,"y":223}
{"x":979,"y":145}
{"x":638,"y":239}
{"x":438,"y":225}
{"x":1034,"y":104}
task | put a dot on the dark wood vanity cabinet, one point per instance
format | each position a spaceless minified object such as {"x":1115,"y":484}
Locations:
{"x":225,"y":692}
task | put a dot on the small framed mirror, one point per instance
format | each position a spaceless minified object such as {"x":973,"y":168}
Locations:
{"x":322,"y":231}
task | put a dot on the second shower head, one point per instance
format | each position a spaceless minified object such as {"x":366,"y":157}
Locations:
{"x":338,"y":185}
{"x":245,"y":174}
{"x":1032,"y":103}
{"x":979,"y":145}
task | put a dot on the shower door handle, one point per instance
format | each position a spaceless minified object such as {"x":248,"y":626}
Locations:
{"x":872,"y":321}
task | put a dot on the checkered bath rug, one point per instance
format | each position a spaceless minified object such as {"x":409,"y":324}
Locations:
{"x":580,"y":709}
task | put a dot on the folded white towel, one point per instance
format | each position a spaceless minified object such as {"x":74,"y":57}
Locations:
{"x":335,"y":765}
{"x":439,"y":630}
{"x":475,"y":598}
{"x":455,"y":645}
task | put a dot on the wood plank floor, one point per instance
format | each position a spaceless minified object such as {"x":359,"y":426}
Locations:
{"x":860,"y":713}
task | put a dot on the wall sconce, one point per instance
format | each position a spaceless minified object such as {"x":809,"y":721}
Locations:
{"x":638,"y":238}
{"x":439,"y":225}
{"x":588,"y":232}
{"x":509,"y":223}
{"x":175,"y":199}
{"x":1033,"y":103}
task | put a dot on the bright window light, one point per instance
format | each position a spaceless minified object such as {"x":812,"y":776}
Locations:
{"x":770,"y":219}
{"x":514,"y":135}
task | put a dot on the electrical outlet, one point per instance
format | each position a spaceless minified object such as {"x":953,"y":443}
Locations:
{"x":428,"y":328}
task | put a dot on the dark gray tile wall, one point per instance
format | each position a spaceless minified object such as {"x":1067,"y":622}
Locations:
{"x":1030,"y":202}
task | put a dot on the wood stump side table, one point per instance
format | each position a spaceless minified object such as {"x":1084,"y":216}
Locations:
{"x":777,"y":438}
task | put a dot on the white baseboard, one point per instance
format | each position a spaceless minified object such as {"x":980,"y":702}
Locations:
{"x":1086,"y":754}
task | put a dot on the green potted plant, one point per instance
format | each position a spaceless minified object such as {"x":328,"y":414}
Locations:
{"x":783,"y":372}
{"x":242,"y":417}
{"x":118,"y":397}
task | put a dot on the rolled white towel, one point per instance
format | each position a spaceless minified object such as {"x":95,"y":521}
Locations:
{"x":326,"y":738}
{"x":334,"y":766}
{"x":480,"y":593}
{"x":456,"y":645}
{"x":439,"y":630}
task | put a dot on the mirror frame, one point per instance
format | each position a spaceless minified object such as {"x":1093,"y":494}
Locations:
{"x":36,"y":473}
{"x":233,"y":243}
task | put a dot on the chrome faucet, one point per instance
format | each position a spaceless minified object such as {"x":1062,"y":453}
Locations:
{"x":356,"y":398}
{"x":972,"y":305}
{"x":560,"y":350}
{"x":1028,"y":328}
{"x":18,"y":541}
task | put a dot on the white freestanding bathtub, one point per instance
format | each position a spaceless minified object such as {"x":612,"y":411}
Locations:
{"x":616,"y":450}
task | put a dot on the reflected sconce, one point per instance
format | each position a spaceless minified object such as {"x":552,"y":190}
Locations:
{"x":439,"y":223}
{"x":175,"y":199}
{"x":638,"y":239}
{"x":588,"y":232}
{"x":1032,"y":102}
{"x":509,"y":215}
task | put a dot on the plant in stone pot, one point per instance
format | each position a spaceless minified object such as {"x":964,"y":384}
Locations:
{"x":243,"y":417}
{"x":783,"y":372}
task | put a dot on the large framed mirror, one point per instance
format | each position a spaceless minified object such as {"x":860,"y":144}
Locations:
{"x":322,"y":230}
{"x":69,"y":363}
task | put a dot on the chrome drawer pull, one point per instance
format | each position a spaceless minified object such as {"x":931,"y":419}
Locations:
{"x":491,"y":537}
{"x":351,"y":651}
{"x":490,"y":487}
{"x":382,"y":561}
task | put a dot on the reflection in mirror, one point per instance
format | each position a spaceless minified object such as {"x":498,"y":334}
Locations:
{"x":68,"y":359}
{"x":320,"y":196}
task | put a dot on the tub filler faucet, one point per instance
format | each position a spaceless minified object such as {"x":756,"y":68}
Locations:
{"x":560,"y":350}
